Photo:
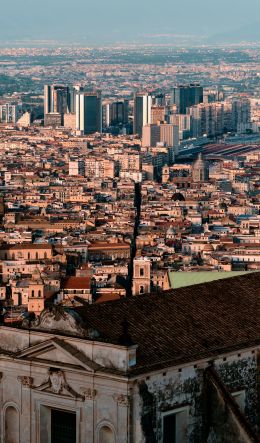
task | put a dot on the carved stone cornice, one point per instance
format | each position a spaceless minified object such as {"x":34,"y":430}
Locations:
{"x":121,"y":399}
{"x":25,"y":381}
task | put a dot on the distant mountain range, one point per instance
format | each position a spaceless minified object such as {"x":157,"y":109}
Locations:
{"x":24,"y":36}
{"x":248,"y":33}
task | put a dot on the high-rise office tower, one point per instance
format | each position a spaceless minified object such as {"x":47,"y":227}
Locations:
{"x":165,"y":133}
{"x":47,"y":99}
{"x":150,"y":135}
{"x":72,"y":97}
{"x":159,"y":100}
{"x":169,"y":135}
{"x":9,"y":113}
{"x":142,"y":111}
{"x":56,"y":99}
{"x":183,"y":121}
{"x":207,"y":119}
{"x":89,"y":112}
{"x":158,"y":114}
{"x":185,"y":96}
{"x":241,"y":114}
{"x":106,"y":114}
{"x":196,"y":94}
{"x":119,"y":113}
{"x":115,"y":113}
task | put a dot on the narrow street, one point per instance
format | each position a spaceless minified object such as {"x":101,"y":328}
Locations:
{"x":137,"y":204}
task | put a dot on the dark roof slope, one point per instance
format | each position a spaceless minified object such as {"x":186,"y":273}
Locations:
{"x":185,"y":324}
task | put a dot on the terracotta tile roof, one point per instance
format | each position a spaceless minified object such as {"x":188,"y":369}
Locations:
{"x":186,"y":324}
{"x":76,"y":283}
{"x":103,"y":298}
{"x":7,"y":247}
{"x":106,"y":245}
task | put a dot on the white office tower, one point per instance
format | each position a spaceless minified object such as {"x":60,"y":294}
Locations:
{"x":88,"y":112}
{"x":73,"y":93}
{"x":142,"y":112}
{"x":106,"y":114}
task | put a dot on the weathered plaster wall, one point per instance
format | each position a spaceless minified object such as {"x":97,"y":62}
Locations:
{"x":167,"y":391}
{"x":161,"y":393}
{"x":241,"y":374}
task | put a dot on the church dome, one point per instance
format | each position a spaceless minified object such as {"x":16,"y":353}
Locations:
{"x":178,"y":197}
{"x":208,"y":248}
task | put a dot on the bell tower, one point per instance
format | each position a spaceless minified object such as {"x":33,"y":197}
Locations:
{"x":141,"y":276}
{"x":165,"y":174}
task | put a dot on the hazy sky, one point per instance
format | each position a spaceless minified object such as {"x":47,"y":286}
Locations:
{"x":103,"y":21}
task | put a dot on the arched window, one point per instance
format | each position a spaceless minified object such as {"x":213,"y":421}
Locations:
{"x":106,"y":435}
{"x":11,"y":430}
{"x":29,"y":255}
{"x":32,"y":292}
{"x":141,"y":289}
{"x":39,"y":293}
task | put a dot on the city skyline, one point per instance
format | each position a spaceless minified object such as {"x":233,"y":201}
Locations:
{"x":130,"y":221}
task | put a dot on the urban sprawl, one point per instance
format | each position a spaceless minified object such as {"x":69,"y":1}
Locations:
{"x":129,"y":245}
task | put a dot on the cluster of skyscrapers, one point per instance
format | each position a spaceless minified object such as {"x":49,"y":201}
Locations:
{"x":217,"y":118}
{"x":80,"y":109}
{"x":157,"y":118}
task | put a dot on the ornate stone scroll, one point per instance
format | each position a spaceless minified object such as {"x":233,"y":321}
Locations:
{"x":90,"y":394}
{"x":121,"y":399}
{"x":25,"y":381}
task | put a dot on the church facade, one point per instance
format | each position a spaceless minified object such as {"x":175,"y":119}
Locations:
{"x":82,"y":375}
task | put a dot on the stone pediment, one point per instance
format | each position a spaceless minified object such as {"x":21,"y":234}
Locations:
{"x":54,"y":383}
{"x":56,"y":351}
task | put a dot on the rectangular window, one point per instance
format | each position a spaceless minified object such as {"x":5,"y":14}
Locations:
{"x":63,"y":427}
{"x":174,"y":424}
{"x":141,"y":272}
{"x":169,"y":428}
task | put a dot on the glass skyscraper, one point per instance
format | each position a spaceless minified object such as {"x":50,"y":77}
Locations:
{"x":184,"y":96}
{"x":89,"y":112}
